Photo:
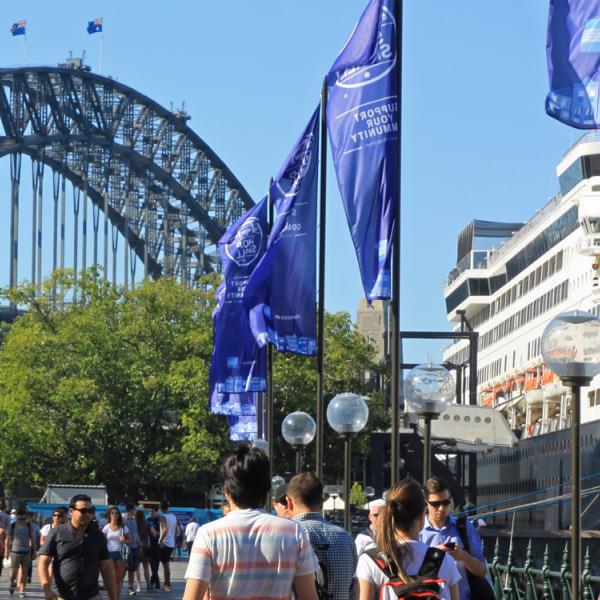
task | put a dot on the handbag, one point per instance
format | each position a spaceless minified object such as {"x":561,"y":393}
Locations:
{"x":480,"y":587}
{"x":124,"y":548}
{"x":6,"y":563}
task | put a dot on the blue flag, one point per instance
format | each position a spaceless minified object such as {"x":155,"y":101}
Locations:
{"x":19,"y":28}
{"x":281,"y":293}
{"x":362,"y":118}
{"x":95,"y":26}
{"x":242,"y":428}
{"x":573,"y":56}
{"x":238,"y":367}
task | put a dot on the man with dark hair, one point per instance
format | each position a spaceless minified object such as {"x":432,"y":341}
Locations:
{"x":443,"y":531}
{"x":166,"y":541}
{"x":250,"y":553}
{"x":333,"y":545}
{"x":78,"y":553}
{"x":20,"y":547}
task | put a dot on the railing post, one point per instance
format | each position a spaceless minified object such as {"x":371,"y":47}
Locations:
{"x":529,"y":583}
{"x":565,"y":592}
{"x":546,"y":587}
{"x":495,"y":569}
{"x":508,"y":583}
{"x":585,"y":576}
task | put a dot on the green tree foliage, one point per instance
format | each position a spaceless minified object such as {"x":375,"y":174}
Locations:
{"x":357,"y":495}
{"x":348,"y":357}
{"x":110,"y":388}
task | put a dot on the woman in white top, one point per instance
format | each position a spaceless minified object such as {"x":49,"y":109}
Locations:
{"x":116,"y":535}
{"x":400,"y":521}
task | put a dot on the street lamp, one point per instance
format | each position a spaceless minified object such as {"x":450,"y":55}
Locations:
{"x":298,"y":430}
{"x":347,"y":414}
{"x":571,"y":349}
{"x":429,"y":389}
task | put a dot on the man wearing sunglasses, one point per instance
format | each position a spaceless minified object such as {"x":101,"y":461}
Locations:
{"x":79,"y":553}
{"x":441,"y":530}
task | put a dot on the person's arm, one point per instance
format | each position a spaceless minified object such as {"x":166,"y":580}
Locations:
{"x":126,"y":537}
{"x":7,"y":545}
{"x":304,"y":587}
{"x":44,"y":576}
{"x":108,"y":576}
{"x":474,"y":559}
{"x":32,"y":542}
{"x":366,"y":590}
{"x":163,"y":529}
{"x":453,"y":591}
{"x":196,"y":589}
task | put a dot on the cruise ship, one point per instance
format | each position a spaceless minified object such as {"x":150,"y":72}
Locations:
{"x":508,"y":294}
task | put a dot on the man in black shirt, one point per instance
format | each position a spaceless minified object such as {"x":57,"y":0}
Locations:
{"x":79,"y":552}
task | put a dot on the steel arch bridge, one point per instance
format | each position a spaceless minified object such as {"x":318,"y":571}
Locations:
{"x":155,"y":183}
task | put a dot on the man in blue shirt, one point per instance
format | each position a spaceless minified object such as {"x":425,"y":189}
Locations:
{"x":441,"y":530}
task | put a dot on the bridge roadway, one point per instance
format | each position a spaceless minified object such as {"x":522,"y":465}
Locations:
{"x":178,"y":567}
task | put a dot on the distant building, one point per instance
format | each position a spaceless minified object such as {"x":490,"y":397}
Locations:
{"x":374,"y":323}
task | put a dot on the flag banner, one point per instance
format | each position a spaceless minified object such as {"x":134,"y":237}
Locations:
{"x":242,"y":428}
{"x":95,"y":26}
{"x":281,"y":293}
{"x":362,"y":119}
{"x":238,"y":365}
{"x":573,"y":57}
{"x":19,"y":28}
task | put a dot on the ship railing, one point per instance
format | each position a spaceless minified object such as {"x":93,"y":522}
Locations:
{"x":535,"y":580}
{"x":587,"y":138}
{"x":514,"y":239}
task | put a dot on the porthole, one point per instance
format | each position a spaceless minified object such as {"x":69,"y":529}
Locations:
{"x":488,"y":420}
{"x":456,"y":418}
{"x":446,"y":417}
{"x":467,"y":419}
{"x":477,"y":419}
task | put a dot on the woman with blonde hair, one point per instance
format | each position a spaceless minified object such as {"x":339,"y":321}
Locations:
{"x":400,"y":556}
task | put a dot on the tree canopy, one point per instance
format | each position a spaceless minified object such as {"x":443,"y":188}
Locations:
{"x":112,"y":388}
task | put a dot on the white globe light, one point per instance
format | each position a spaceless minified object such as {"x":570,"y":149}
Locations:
{"x":298,"y":429}
{"x":429,"y":389}
{"x":347,"y":413}
{"x":571,"y":345}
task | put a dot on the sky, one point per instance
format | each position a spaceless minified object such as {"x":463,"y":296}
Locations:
{"x":476,"y":140}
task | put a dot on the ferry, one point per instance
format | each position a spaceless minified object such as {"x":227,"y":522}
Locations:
{"x":508,"y":294}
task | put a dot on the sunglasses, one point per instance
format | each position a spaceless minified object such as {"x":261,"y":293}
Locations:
{"x":57,"y":516}
{"x":83,"y":511}
{"x":438,"y":503}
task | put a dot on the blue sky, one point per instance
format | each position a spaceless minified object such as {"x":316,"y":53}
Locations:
{"x":476,"y":140}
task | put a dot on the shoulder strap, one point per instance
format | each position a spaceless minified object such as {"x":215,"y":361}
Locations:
{"x":461,"y":525}
{"x":381,"y":561}
{"x":432,"y":561}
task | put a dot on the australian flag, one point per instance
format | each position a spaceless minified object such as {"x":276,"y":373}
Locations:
{"x":95,"y":26}
{"x":18,"y":28}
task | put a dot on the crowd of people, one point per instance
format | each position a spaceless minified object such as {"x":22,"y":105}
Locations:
{"x":118,"y":544}
{"x":413,"y":545}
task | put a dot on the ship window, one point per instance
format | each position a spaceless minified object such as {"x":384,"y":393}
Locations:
{"x":545,"y":271}
{"x":552,"y":266}
{"x":477,"y":419}
{"x":456,"y":418}
{"x":559,"y":260}
{"x":467,"y":419}
{"x":488,"y":420}
{"x":446,"y":417}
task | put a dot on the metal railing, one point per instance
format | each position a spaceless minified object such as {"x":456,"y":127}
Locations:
{"x":540,"y":582}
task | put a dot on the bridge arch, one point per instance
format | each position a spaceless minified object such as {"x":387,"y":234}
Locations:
{"x":158,"y":185}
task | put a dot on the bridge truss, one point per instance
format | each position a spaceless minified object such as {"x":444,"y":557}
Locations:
{"x":137,"y":167}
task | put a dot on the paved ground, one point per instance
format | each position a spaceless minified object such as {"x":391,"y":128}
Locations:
{"x":34,"y":592}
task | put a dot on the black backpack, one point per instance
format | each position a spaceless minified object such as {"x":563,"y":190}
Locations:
{"x":426,"y":585}
{"x":321,"y":578}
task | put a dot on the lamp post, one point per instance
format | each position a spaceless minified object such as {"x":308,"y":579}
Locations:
{"x":429,"y":389}
{"x":571,"y":349}
{"x":298,"y":430}
{"x":347,"y":414}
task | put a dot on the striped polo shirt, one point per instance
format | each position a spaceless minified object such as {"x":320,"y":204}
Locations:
{"x":251,"y":554}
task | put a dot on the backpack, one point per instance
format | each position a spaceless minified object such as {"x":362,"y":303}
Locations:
{"x":426,"y":585}
{"x":480,"y":587}
{"x":321,"y":578}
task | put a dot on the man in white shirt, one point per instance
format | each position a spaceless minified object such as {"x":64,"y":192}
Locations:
{"x":166,"y":541}
{"x":366,"y":538}
{"x":191,"y":529}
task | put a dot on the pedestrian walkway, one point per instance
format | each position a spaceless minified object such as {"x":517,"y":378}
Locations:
{"x":34,"y":591}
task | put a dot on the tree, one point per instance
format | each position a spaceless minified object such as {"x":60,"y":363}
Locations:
{"x":110,"y":388}
{"x":357,"y":496}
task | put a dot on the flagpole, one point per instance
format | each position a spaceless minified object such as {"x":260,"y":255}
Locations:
{"x":100,"y":50}
{"x":321,"y":295}
{"x":25,"y":49}
{"x":395,"y":349}
{"x":269,"y":403}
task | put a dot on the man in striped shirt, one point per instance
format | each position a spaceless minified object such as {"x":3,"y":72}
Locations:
{"x":250,"y":554}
